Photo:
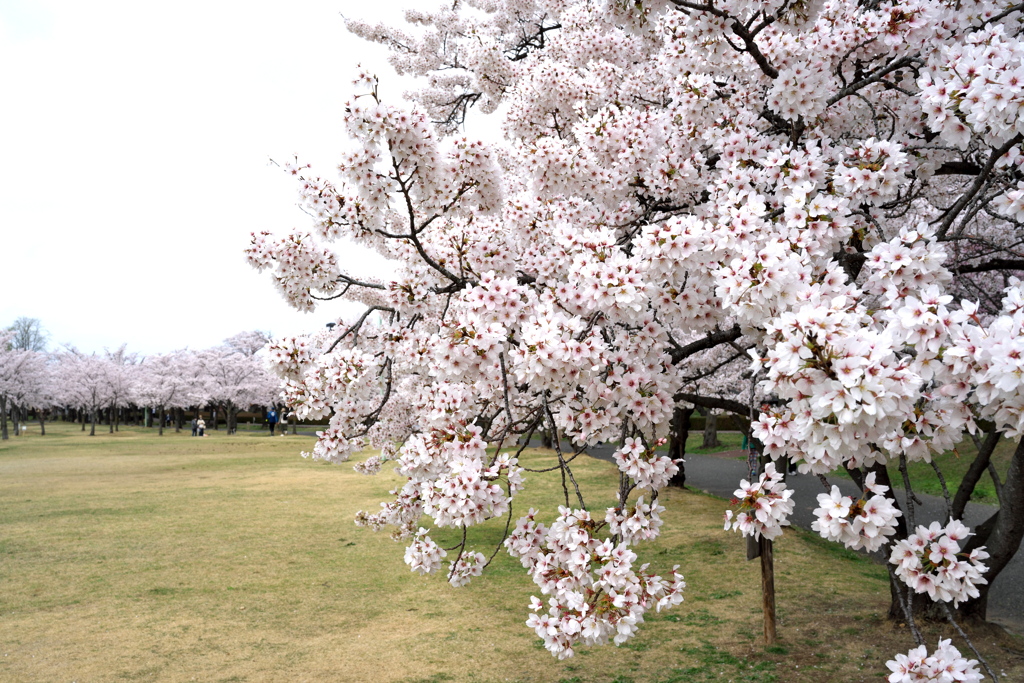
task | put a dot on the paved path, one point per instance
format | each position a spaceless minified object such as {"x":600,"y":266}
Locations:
{"x":720,"y":475}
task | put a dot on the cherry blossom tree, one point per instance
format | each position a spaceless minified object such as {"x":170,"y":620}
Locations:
{"x":830,"y":190}
{"x":163,"y":382}
{"x":40,"y":392}
{"x":120,"y":381}
{"x":84,"y":383}
{"x":24,"y":382}
{"x":236,"y":375}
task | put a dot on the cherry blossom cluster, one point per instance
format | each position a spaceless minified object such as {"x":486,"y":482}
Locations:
{"x":300,"y":266}
{"x":872,"y":171}
{"x":639,"y":522}
{"x":763,"y":508}
{"x":455,"y":480}
{"x":975,"y":87}
{"x":648,"y":469}
{"x":994,"y":357}
{"x":930,"y":561}
{"x":944,"y":665}
{"x":596,"y":592}
{"x":1011,"y":203}
{"x":289,"y":356}
{"x":912,"y":260}
{"x":864,"y":524}
{"x":423,"y":555}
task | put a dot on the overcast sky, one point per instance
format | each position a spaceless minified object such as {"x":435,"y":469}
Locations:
{"x":135,"y":139}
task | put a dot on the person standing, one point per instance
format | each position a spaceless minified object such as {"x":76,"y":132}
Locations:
{"x":195,"y":426}
{"x":272,"y":419}
{"x":201,"y":426}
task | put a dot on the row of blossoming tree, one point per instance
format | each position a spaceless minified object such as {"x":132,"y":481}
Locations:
{"x":226,"y":378}
{"x":805,"y":212}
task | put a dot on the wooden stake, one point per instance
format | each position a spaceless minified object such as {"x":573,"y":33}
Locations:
{"x":768,"y":590}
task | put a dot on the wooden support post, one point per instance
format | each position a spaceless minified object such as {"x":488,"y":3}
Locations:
{"x":768,"y":590}
{"x":762,"y":548}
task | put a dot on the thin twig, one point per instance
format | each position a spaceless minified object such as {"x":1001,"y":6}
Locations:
{"x":462,"y":548}
{"x":945,"y":491}
{"x":906,"y":605}
{"x":911,"y":499}
{"x":561,"y":461}
{"x":949,"y":615}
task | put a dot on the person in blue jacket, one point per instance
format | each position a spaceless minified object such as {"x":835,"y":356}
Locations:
{"x":272,"y":420}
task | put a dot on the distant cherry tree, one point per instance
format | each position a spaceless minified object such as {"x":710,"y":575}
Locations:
{"x":25,"y":382}
{"x":236,"y":375}
{"x":84,"y":383}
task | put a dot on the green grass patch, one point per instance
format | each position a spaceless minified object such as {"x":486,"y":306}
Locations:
{"x":728,"y":441}
{"x":954,"y":465}
{"x":143,"y":558}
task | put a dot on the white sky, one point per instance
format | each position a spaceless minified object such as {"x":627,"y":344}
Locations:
{"x":134,"y":147}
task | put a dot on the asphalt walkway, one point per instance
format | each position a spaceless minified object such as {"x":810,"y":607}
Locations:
{"x":720,"y":474}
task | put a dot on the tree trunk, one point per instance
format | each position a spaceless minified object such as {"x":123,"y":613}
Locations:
{"x":711,"y":430}
{"x":1001,"y":534}
{"x":295,"y":421}
{"x":768,"y":590}
{"x":3,"y":418}
{"x":15,"y":419}
{"x":81,"y":418}
{"x":41,"y":414}
{"x":677,"y":443}
{"x":546,"y":439}
{"x":110,"y":418}
{"x":94,"y":416}
{"x":161,"y":420}
{"x":231,"y":417}
{"x":213,"y":416}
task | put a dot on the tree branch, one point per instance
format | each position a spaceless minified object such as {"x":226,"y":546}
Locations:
{"x":710,"y":341}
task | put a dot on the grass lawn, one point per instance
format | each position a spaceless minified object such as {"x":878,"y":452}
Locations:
{"x":131,"y":557}
{"x":727,"y":441}
{"x":954,"y":465}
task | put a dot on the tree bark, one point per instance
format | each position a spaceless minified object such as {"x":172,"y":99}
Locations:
{"x":41,"y":414}
{"x":3,"y":418}
{"x":677,"y":443}
{"x":711,"y":430}
{"x":768,"y":590}
{"x":92,"y":428}
{"x":161,"y":415}
{"x":230,"y":417}
{"x":1001,"y":533}
{"x":15,"y":419}
{"x":974,"y":474}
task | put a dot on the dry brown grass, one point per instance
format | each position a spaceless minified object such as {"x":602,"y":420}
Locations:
{"x":131,"y":557}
